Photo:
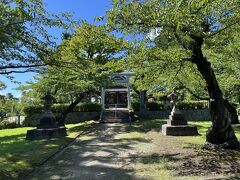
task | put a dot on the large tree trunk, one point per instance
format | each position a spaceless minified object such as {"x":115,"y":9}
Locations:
{"x":62,"y":117}
{"x":221,"y":131}
{"x":232,"y":112}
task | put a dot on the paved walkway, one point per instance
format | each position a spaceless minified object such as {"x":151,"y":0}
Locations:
{"x":98,"y":154}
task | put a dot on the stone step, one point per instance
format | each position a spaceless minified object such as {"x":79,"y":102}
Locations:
{"x":122,"y":116}
{"x":115,"y":116}
{"x":115,"y":120}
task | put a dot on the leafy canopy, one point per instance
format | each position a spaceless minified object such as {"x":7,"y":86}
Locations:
{"x":25,"y":41}
{"x":81,"y":63}
{"x":170,"y":27}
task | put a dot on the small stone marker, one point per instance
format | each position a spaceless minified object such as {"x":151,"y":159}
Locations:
{"x":176,"y":124}
{"x":48,"y":127}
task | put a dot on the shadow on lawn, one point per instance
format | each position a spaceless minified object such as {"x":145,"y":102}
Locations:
{"x":203,"y":163}
{"x":19,"y":156}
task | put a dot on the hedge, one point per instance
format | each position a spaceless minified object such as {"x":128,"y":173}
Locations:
{"x":58,"y":108}
{"x":8,"y":125}
{"x":185,"y":105}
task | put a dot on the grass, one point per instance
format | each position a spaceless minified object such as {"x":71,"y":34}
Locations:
{"x":156,"y":166}
{"x":19,"y":156}
{"x":203,"y":126}
{"x":153,"y":166}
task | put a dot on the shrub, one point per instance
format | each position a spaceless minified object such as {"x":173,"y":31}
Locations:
{"x":154,"y":106}
{"x":186,"y":105}
{"x":151,"y":106}
{"x":88,"y":107}
{"x":8,"y":125}
{"x":58,"y":108}
{"x":135,"y":106}
{"x":33,"y":109}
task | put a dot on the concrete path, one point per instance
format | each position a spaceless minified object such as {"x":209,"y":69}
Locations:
{"x":98,"y":154}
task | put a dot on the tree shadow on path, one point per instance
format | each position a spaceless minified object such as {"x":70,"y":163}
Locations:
{"x":97,"y":154}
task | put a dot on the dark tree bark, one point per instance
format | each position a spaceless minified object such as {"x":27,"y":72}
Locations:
{"x":221,"y":131}
{"x":62,"y":117}
{"x":232,"y":112}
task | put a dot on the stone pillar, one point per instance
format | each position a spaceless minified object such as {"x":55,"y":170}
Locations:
{"x":142,"y":100}
{"x":142,"y":103}
{"x":129,"y":97}
{"x":103,"y":98}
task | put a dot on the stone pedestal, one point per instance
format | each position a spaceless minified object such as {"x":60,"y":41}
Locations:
{"x":48,"y":127}
{"x":177,"y":125}
{"x":37,"y":134}
{"x":47,"y":121}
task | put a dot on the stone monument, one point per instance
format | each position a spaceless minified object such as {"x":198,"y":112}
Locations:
{"x":176,"y":124}
{"x":47,"y":127}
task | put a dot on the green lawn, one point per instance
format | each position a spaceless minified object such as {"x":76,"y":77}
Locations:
{"x":19,"y":156}
{"x":202,"y":130}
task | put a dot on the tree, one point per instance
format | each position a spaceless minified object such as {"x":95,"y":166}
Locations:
{"x":25,"y":44}
{"x":81,"y":64}
{"x":183,"y":32}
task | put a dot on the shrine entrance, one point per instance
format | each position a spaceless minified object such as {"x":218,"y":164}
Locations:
{"x":116,"y":99}
{"x":117,"y":95}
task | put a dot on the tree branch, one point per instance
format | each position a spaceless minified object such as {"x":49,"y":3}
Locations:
{"x":192,"y":93}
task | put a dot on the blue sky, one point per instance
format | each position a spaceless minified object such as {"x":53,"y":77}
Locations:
{"x":82,"y":9}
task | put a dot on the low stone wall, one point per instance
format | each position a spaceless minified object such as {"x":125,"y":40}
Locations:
{"x":17,"y":119}
{"x":74,"y":117}
{"x":193,"y":115}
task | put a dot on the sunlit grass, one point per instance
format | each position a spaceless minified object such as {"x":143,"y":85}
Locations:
{"x":197,"y":141}
{"x":130,"y":135}
{"x":153,"y":167}
{"x":18,"y":156}
{"x":203,"y":127}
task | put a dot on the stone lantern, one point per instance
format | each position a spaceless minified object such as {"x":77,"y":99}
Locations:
{"x":176,"y":124}
{"x":48,"y":127}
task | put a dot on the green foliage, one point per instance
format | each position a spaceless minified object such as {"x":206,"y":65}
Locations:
{"x":33,"y":109}
{"x":184,"y":105}
{"x":163,"y":56}
{"x":88,"y":107}
{"x":8,"y":125}
{"x":154,"y":106}
{"x":25,"y":42}
{"x":151,"y":106}
{"x":9,"y":106}
{"x":136,"y":106}
{"x":82,"y":60}
{"x":58,"y":108}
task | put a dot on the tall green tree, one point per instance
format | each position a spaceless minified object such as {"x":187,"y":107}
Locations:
{"x":82,"y":63}
{"x":183,"y":32}
{"x":25,"y":43}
